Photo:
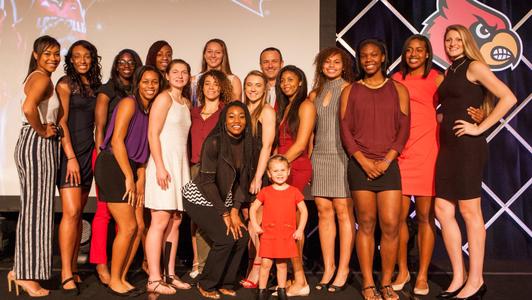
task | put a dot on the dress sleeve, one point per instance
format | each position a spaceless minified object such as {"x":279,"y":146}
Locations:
{"x":261,"y":196}
{"x":346,"y":124}
{"x":107,"y":89}
{"x":298,"y":195}
{"x":207,"y":175}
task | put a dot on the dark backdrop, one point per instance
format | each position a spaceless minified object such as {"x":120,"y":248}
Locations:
{"x":506,"y":188}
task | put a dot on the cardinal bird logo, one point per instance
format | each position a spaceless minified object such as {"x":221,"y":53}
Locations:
{"x":500,"y":46}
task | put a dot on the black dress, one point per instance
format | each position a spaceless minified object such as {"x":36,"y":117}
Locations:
{"x":81,"y":127}
{"x":461,"y":160}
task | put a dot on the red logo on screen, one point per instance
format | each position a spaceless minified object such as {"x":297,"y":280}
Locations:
{"x":499,"y":44}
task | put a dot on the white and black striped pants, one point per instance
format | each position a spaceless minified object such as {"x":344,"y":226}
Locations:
{"x":37,"y":160}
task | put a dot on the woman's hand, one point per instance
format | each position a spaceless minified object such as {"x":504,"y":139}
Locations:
{"x":255,"y":185}
{"x":129,"y":195}
{"x":463,"y":127}
{"x":163,"y":178}
{"x":140,"y":184}
{"x":227,"y":220}
{"x":369,"y":166}
{"x":476,"y":114}
{"x":73,"y":176}
{"x":382,"y":165}
{"x":298,"y":234}
{"x":48,"y":131}
{"x":236,"y":223}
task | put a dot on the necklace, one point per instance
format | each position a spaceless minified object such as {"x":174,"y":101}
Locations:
{"x":456,"y":68}
{"x":376,"y":86}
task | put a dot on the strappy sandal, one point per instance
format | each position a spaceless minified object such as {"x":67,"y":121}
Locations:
{"x":376,"y":295}
{"x":166,"y":290}
{"x":170,"y":279}
{"x":388,"y":293}
{"x":211,"y":295}
{"x":70,"y":292}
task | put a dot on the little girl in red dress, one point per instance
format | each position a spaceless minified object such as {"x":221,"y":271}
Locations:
{"x":278,"y":233}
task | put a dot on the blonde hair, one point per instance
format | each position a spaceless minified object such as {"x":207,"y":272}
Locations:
{"x":472,"y":52}
{"x":257,"y":112}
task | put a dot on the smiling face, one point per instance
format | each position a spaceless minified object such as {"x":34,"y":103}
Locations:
{"x":454,"y":46}
{"x":290,"y":84}
{"x":371,"y":58}
{"x":149,"y":85}
{"x":278,"y":171}
{"x":48,"y":60}
{"x":163,"y":58}
{"x":270,"y":64}
{"x":213,"y":55}
{"x":416,"y":54}
{"x":81,"y":59}
{"x":333,"y":66}
{"x":126,"y":66}
{"x":178,"y":75}
{"x":235,"y":120}
{"x":211,"y":89}
{"x":254,"y":88}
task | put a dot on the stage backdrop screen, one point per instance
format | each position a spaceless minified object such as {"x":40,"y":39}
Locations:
{"x":247,"y":27}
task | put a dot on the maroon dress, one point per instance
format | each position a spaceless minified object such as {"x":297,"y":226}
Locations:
{"x":301,"y":167}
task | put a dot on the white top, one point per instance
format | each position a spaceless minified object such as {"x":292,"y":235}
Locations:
{"x":271,"y":96}
{"x":48,"y":108}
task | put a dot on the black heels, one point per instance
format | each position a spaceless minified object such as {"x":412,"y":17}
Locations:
{"x":478,"y":295}
{"x":449,"y":295}
{"x":70,"y":292}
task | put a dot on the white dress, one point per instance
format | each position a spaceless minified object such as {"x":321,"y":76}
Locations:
{"x":173,"y":137}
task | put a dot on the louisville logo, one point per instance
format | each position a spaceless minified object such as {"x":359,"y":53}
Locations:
{"x":254,"y":6}
{"x":500,"y":46}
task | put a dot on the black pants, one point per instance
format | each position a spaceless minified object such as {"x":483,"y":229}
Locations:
{"x":223,"y":261}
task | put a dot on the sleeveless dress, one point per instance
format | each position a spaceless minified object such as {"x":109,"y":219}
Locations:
{"x":279,"y":222}
{"x":417,"y":162}
{"x":173,"y":137}
{"x":300,"y":168}
{"x":460,"y":160}
{"x":36,"y":159}
{"x":81,"y":127}
{"x":329,"y":161}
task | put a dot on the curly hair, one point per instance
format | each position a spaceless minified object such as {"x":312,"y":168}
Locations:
{"x":292,"y":117}
{"x":256,"y":113}
{"x":94,"y":75}
{"x":226,"y":89}
{"x":122,"y":90}
{"x":347,"y":64}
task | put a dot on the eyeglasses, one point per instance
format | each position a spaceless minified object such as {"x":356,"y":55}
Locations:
{"x":122,"y":62}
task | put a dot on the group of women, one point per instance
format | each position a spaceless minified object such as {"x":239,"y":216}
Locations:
{"x":156,"y":137}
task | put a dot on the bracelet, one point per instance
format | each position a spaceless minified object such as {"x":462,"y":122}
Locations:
{"x":386,"y":160}
{"x":69,"y":158}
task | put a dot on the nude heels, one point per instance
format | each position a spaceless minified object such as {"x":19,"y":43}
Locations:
{"x":32,"y":293}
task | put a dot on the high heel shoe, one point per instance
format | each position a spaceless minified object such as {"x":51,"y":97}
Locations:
{"x":40,"y":292}
{"x":12,"y":279}
{"x":449,"y":295}
{"x":322,"y":286}
{"x":400,"y":286}
{"x":478,"y":295}
{"x":70,"y":292}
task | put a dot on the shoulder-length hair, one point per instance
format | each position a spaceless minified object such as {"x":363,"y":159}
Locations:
{"x":472,"y":52}
{"x":137,"y":77}
{"x":320,"y":78}
{"x":151,"y":57}
{"x":40,"y":45}
{"x":226,"y":89}
{"x":382,"y":47}
{"x":292,"y":117}
{"x":120,"y":88}
{"x":226,"y":68}
{"x":94,"y":75}
{"x":186,"y":89}
{"x":403,"y":66}
{"x":256,"y":113}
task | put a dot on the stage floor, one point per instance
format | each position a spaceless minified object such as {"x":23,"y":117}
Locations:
{"x":500,"y":286}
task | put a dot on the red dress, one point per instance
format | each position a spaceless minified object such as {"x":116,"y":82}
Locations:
{"x":301,"y":167}
{"x":417,"y":161}
{"x":279,"y":222}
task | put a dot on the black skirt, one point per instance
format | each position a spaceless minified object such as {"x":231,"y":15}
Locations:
{"x":110,"y":179}
{"x":359,"y":181}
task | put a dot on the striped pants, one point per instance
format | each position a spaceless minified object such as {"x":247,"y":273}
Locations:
{"x":37,"y":160}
